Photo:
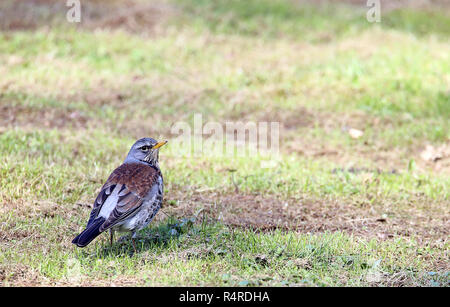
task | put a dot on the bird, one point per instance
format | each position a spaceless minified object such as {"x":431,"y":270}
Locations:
{"x":131,"y":196}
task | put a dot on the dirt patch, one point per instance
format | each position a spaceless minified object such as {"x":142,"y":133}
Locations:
{"x":18,"y":275}
{"x":290,"y":120}
{"x":300,"y":136}
{"x":389,"y":5}
{"x":129,"y":15}
{"x":312,"y":216}
{"x":13,"y":116}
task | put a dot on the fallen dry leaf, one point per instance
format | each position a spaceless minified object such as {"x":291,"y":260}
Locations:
{"x":432,"y":154}
{"x":355,"y":133}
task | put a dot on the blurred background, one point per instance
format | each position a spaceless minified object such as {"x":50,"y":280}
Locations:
{"x":363,"y":107}
{"x":320,"y":68}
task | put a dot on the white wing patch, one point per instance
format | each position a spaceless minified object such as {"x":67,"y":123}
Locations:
{"x":110,"y":203}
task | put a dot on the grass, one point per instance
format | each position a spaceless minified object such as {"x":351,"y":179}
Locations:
{"x":333,"y":211}
{"x":211,"y":254}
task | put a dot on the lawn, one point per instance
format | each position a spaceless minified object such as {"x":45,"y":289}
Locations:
{"x":334,"y":208}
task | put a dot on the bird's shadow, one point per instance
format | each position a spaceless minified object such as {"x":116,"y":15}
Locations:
{"x":156,"y":237}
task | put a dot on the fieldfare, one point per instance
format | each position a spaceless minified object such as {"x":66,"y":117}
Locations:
{"x":131,"y":196}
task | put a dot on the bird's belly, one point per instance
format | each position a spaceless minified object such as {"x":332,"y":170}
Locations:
{"x":142,"y":218}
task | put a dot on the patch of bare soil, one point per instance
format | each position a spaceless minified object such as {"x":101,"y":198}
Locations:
{"x":18,"y":275}
{"x":311,"y":216}
{"x":129,"y":15}
{"x":389,"y":5}
{"x":297,"y":136}
{"x":14,"y":116}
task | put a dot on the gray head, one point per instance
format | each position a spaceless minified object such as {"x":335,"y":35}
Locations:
{"x":145,"y":150}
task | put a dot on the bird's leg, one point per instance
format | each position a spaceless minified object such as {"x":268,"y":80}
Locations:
{"x":133,"y":236}
{"x":134,"y":244}
{"x":111,"y":238}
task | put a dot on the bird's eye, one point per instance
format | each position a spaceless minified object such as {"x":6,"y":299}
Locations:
{"x":145,"y":148}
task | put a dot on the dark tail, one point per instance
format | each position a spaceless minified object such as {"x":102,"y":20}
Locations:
{"x":89,"y":234}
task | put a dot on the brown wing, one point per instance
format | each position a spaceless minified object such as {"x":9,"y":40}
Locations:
{"x":133,"y":182}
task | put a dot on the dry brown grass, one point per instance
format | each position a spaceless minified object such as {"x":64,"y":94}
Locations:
{"x":130,"y":15}
{"x":306,"y":215}
{"x":28,"y":117}
{"x":389,"y":5}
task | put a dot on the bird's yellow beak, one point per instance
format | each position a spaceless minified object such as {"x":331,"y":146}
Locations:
{"x":159,"y":144}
